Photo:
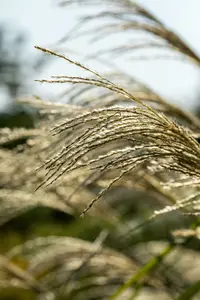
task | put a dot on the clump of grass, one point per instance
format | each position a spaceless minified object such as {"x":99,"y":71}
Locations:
{"x":115,"y":132}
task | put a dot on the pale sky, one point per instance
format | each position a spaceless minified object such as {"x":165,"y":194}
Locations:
{"x":45,"y":23}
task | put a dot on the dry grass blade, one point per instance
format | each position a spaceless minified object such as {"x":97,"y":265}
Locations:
{"x":24,"y":278}
{"x":16,"y":202}
{"x":182,"y":233}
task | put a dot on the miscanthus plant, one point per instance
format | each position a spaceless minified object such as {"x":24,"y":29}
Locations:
{"x":113,"y":138}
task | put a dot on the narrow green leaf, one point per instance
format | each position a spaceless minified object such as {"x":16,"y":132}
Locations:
{"x":151,"y":264}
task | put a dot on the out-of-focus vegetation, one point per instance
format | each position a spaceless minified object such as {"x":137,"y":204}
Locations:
{"x":119,"y":155}
{"x":15,"y":69}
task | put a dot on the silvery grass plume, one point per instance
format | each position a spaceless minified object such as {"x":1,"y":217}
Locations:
{"x":18,"y":177}
{"x":54,"y":267}
{"x":125,"y":16}
{"x":141,"y":136}
{"x":92,"y":97}
{"x":76,"y":264}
